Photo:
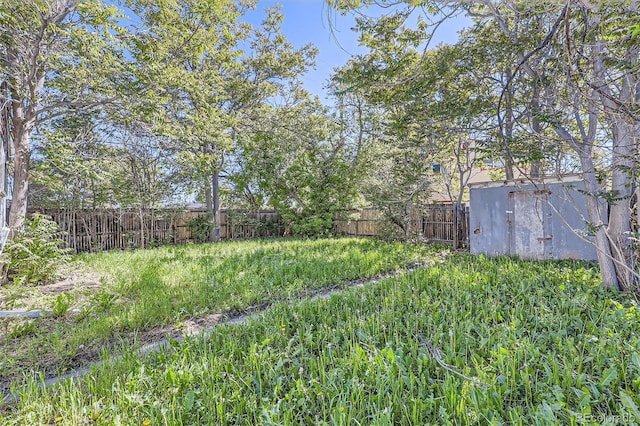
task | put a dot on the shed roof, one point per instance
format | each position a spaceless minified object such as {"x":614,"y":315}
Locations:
{"x":526,"y":181}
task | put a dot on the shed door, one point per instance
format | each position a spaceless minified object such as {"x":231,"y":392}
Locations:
{"x":528,"y":239}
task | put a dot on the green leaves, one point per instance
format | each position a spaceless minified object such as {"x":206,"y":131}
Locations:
{"x":609,"y":377}
{"x":298,"y":161}
{"x":34,"y":256}
{"x":630,"y":405}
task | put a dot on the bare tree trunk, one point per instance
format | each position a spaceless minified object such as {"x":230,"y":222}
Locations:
{"x":623,"y":162}
{"x":456,"y":239}
{"x":215,"y":183}
{"x":209,"y":202}
{"x":142,"y":226}
{"x":619,"y":228}
{"x":593,"y":189}
{"x":507,"y":131}
{"x":457,"y":206}
{"x":21,"y":143}
{"x":603,"y":249}
{"x":212,"y":196}
{"x":4,"y":143}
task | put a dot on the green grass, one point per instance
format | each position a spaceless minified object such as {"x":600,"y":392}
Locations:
{"x":153,"y":291}
{"x":543,"y":343}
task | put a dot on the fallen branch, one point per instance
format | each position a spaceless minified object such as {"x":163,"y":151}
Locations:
{"x":436,"y":354}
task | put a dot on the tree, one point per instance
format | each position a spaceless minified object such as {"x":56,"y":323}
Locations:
{"x":176,"y":70}
{"x":432,"y":113}
{"x":573,"y":69}
{"x":587,"y":68}
{"x":72,"y":165}
{"x":298,"y":160}
{"x":263,"y":90}
{"x":216,"y":88}
{"x":182,"y":51}
{"x":58,"y":57}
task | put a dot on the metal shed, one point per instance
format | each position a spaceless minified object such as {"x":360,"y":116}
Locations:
{"x":545,"y":219}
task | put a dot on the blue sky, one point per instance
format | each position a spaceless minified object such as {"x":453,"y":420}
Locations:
{"x":307,"y":21}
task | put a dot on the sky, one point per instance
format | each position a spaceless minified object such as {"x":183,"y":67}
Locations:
{"x":308,"y":21}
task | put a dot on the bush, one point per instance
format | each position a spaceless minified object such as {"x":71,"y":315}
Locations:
{"x":35,"y":254}
{"x":267,"y":226}
{"x":200,"y":227}
{"x":312,"y":225}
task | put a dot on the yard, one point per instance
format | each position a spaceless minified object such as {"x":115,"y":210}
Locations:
{"x":140,"y":123}
{"x":463,"y":340}
{"x":121,"y":300}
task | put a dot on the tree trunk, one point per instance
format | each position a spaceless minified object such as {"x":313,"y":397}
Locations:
{"x":209,"y":202}
{"x":215,"y":184}
{"x":456,"y":220}
{"x":507,"y":131}
{"x":4,"y":143}
{"x":593,"y":190}
{"x":143,"y":240}
{"x":457,"y":208}
{"x":594,"y":213}
{"x":623,"y":162}
{"x":22,"y":150}
{"x":619,"y":227}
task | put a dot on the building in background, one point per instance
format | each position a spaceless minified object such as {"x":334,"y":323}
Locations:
{"x":466,"y":165}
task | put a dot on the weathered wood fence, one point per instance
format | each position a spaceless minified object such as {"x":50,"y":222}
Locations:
{"x":364,"y":223}
{"x":108,"y":229}
{"x":440,"y":224}
{"x":437,"y":223}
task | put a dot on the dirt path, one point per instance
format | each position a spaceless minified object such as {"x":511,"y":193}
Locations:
{"x":160,"y":338}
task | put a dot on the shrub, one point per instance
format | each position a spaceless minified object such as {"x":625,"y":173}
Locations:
{"x":200,"y":227}
{"x":266,"y":226}
{"x":35,"y":254}
{"x":312,"y":225}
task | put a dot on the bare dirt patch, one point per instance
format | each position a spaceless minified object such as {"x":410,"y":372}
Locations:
{"x":87,"y":280}
{"x":20,"y":356}
{"x":41,"y":361}
{"x":80,"y":284}
{"x":194,"y":326}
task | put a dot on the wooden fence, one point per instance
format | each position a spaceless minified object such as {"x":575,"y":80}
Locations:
{"x":365,"y":223}
{"x":234,"y":224}
{"x":108,"y":229}
{"x":439,"y":224}
{"x":436,"y":224}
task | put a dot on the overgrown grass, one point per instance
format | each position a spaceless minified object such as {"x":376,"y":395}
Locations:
{"x":539,"y":343}
{"x":234,"y":275}
{"x":156,"y":290}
